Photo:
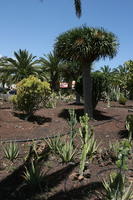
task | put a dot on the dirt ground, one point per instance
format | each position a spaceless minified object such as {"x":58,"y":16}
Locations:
{"x":108,"y":125}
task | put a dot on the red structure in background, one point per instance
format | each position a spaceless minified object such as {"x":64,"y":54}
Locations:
{"x":67,"y":85}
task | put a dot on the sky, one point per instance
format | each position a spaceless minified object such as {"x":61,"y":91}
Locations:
{"x":34,"y":25}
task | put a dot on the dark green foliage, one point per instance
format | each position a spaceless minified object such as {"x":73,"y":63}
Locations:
{"x":86,"y":44}
{"x":99,"y":85}
{"x":78,"y":10}
{"x":116,"y":188}
{"x":24,"y":65}
{"x":123,"y":152}
{"x":122,"y":99}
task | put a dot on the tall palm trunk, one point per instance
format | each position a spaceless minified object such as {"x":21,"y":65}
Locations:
{"x":87,"y":90}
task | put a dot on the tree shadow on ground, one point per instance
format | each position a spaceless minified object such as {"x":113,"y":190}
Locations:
{"x":49,"y":181}
{"x":123,"y":134}
{"x":13,"y":187}
{"x":98,"y":115}
{"x":34,"y":119}
{"x":79,"y":193}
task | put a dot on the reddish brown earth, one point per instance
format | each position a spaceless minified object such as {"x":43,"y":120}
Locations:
{"x":108,"y":125}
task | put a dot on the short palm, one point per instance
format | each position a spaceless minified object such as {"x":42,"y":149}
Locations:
{"x":22,"y":66}
{"x":51,"y":66}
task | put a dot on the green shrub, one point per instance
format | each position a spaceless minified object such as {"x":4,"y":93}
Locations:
{"x":52,"y":101}
{"x":121,"y":151}
{"x":129,"y":125}
{"x":31,"y":94}
{"x":99,"y":85}
{"x":122,"y":99}
{"x":114,"y":93}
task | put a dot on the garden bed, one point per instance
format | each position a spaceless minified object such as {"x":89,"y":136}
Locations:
{"x":60,"y":180}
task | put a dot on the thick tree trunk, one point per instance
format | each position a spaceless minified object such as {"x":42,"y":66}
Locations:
{"x":87,"y":90}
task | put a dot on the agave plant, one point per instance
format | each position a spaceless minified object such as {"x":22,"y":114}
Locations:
{"x":115,"y":188}
{"x":67,"y":152}
{"x":54,"y":144}
{"x":11,"y":151}
{"x":33,"y":175}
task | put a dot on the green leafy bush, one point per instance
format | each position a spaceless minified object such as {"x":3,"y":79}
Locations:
{"x":114,"y":93}
{"x":52,"y":101}
{"x":122,"y":99}
{"x":99,"y":85}
{"x":31,"y":94}
{"x":121,"y":151}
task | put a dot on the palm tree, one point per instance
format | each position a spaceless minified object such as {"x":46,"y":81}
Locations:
{"x":106,"y":69}
{"x":129,"y":67}
{"x":4,"y":76}
{"x":86,"y":45}
{"x":51,"y":65}
{"x":21,"y":67}
{"x":120,"y":77}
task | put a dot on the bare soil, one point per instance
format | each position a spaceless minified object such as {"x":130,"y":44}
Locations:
{"x":60,"y":180}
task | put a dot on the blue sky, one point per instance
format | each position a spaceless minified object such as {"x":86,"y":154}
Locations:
{"x":34,"y":25}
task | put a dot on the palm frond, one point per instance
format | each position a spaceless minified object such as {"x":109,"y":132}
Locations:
{"x":77,"y":4}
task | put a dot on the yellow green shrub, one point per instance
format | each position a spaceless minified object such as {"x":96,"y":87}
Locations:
{"x":32,"y":93}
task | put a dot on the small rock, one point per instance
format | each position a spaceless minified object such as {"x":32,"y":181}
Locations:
{"x":81,"y":177}
{"x":17,"y":126}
